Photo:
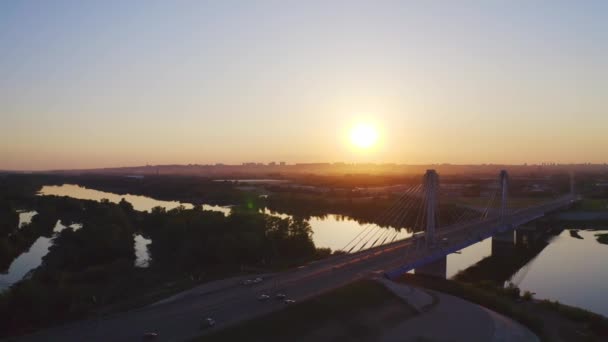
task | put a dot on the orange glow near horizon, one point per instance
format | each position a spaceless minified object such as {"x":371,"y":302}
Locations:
{"x":220,"y":83}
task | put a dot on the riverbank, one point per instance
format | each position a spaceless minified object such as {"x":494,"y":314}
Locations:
{"x":587,"y":210}
{"x":551,"y":321}
{"x":583,"y":216}
{"x":459,"y":320}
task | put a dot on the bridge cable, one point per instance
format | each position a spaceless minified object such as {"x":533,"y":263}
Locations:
{"x":387,"y":215}
{"x":395,"y":221}
{"x":402,"y":219}
{"x":371,"y":225}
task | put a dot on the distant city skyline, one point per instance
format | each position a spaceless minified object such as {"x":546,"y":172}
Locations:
{"x":114,"y":83}
{"x":284,"y":168}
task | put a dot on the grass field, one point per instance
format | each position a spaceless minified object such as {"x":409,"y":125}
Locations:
{"x":513,"y":203}
{"x":593,"y":205}
{"x":359,"y":311}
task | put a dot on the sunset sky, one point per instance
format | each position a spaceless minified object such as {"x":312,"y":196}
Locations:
{"x":120,"y":83}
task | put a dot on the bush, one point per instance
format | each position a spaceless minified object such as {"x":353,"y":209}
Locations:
{"x":528,"y":296}
{"x":511,"y":291}
{"x":487,"y":285}
{"x":322,"y":253}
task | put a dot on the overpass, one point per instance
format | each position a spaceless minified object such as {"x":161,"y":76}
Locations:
{"x":228,"y":302}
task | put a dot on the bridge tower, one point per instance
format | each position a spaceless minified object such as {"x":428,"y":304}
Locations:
{"x":504,"y":191}
{"x":430,"y":196}
{"x":572,"y":190}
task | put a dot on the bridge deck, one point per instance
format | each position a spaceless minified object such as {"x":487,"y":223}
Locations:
{"x":454,"y":238}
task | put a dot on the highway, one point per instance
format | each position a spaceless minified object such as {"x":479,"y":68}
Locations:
{"x":229,"y":302}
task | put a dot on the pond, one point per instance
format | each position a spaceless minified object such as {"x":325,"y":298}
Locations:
{"x":25,"y":217}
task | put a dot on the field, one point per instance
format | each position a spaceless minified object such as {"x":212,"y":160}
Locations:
{"x":513,"y":203}
{"x":588,"y":204}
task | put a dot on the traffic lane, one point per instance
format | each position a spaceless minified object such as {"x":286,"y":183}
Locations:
{"x":172,"y":317}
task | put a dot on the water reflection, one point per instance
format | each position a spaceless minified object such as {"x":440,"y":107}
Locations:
{"x":539,"y":269}
{"x":336,"y":231}
{"x":570,"y":270}
{"x":60,"y":226}
{"x":141,"y":203}
{"x":561,"y":266}
{"x":25,"y":217}
{"x":253,"y":181}
{"x":31,"y":259}
{"x":26,"y":262}
{"x":469,"y":256}
{"x":330,"y":231}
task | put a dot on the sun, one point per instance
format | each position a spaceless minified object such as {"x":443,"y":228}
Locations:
{"x":363,"y":135}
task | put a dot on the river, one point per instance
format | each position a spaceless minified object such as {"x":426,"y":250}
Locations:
{"x":582,"y":285}
{"x":141,"y":203}
{"x":32,"y":258}
{"x":568,"y":269}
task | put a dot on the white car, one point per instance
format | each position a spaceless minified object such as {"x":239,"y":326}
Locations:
{"x":280,"y":296}
{"x":247,"y":282}
{"x":207,"y":323}
{"x":257,"y":280}
{"x":289,"y":301}
{"x":263,"y":297}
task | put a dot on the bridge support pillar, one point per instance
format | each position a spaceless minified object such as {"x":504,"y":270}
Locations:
{"x":503,"y":243}
{"x":572,"y":184}
{"x":507,"y":237}
{"x":431,"y":189}
{"x":529,"y":234}
{"x":437,"y":269}
{"x":504,"y":190}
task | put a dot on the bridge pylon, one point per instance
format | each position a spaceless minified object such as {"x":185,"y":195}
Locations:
{"x":430,"y":196}
{"x":572,"y":188}
{"x":504,"y":194}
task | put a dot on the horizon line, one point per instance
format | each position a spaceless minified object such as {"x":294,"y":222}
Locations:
{"x":286,"y":164}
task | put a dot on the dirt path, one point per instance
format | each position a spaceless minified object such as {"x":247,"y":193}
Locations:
{"x":452,"y":319}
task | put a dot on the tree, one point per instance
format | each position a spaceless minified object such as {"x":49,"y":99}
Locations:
{"x":9,"y":218}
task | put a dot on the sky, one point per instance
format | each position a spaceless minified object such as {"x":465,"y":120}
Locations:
{"x":88,"y":84}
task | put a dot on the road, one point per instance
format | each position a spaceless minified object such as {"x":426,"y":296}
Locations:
{"x":229,"y":302}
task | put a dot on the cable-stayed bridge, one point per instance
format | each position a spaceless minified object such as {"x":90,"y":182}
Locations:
{"x":426,"y":250}
{"x":440,"y":229}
